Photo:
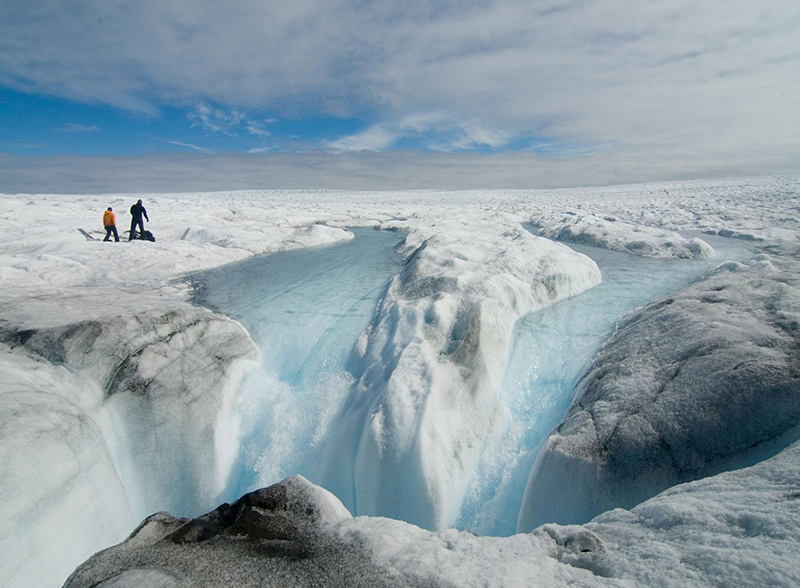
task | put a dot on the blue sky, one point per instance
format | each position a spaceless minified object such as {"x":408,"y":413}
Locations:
{"x":36,"y":124}
{"x":534,"y":93}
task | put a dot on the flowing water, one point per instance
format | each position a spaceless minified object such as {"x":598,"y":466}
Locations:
{"x":304,"y":309}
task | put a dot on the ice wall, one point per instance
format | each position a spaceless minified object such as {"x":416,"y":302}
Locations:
{"x":108,"y":421}
{"x":700,"y":382}
{"x":167,"y":381}
{"x":430,"y":366}
{"x":62,"y":499}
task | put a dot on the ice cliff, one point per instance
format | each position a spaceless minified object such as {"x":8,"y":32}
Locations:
{"x":700,"y":382}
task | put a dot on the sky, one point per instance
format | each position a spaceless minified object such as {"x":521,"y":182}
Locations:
{"x":172,"y":95}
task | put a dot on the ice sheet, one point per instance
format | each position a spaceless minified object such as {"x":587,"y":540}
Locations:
{"x":50,"y":276}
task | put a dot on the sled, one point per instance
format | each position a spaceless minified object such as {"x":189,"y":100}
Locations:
{"x":87,"y":235}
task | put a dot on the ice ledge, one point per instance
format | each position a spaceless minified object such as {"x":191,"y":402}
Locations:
{"x":703,"y":381}
{"x":616,"y":234}
{"x":106,"y":418}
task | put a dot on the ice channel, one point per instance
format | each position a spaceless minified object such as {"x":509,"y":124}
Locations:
{"x":550,"y":352}
{"x":305,"y":310}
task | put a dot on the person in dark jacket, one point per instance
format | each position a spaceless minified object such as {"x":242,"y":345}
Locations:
{"x":110,"y":224}
{"x":137,"y":210}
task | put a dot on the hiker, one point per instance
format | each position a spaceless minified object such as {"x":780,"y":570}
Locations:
{"x":137,"y":210}
{"x":110,"y":224}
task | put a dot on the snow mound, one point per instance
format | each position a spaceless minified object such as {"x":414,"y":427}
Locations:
{"x":700,"y":382}
{"x":429,"y":368}
{"x":619,"y":235}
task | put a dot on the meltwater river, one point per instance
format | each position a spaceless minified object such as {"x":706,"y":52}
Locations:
{"x":305,"y":310}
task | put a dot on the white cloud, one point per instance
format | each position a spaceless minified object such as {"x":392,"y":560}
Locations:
{"x":435,"y":131}
{"x":720,"y":78}
{"x":379,"y":171}
{"x":259,"y":150}
{"x":228,"y":121}
{"x":375,"y":138}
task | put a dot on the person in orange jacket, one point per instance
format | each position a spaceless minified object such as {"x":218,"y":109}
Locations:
{"x":110,"y":223}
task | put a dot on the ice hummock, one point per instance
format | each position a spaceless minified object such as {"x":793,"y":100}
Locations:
{"x":616,"y":234}
{"x":705,"y":380}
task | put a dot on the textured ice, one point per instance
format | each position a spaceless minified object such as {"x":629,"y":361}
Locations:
{"x":702,"y":381}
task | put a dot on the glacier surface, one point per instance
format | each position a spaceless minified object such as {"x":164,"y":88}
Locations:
{"x":427,"y":371}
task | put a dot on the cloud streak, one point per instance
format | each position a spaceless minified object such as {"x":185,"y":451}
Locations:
{"x":78,"y":128}
{"x":190,"y":146}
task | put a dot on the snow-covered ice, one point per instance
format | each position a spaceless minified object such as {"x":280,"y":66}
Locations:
{"x":611,"y":233}
{"x":78,"y":315}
